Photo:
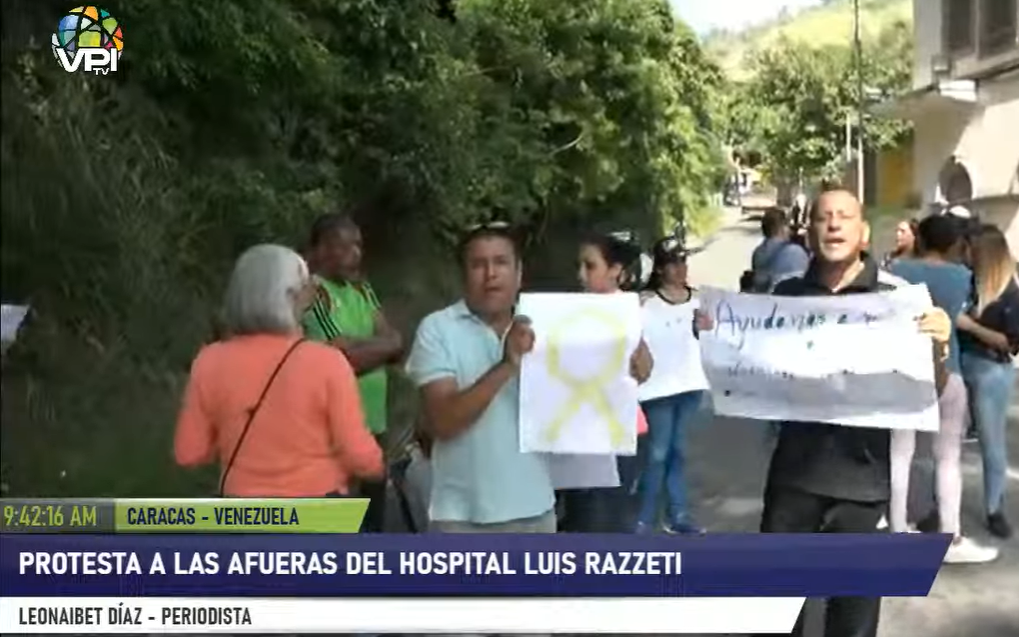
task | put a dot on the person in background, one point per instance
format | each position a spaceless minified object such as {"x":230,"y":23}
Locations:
{"x":989,"y":340}
{"x":776,"y":258}
{"x":347,"y":315}
{"x":800,"y":209}
{"x":281,"y":415}
{"x":412,"y":479}
{"x":905,"y":242}
{"x":604,"y":263}
{"x":938,"y":247}
{"x":465,"y":362}
{"x":826,"y":478}
{"x":959,"y":212}
{"x":968,"y":227}
{"x":668,"y":417}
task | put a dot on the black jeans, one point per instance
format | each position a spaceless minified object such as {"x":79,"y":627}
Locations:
{"x":794,"y":511}
{"x":605,"y":510}
{"x":368,"y":524}
{"x":587,"y":510}
{"x":376,"y":491}
{"x":375,"y":516}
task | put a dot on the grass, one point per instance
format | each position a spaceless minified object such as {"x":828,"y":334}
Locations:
{"x":705,"y":222}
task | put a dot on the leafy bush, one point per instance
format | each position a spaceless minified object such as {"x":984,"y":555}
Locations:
{"x":126,"y":198}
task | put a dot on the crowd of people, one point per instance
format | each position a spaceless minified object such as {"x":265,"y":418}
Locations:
{"x":291,"y":398}
{"x":971,"y":274}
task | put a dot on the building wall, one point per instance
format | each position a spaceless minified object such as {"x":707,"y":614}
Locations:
{"x":927,"y":28}
{"x":927,"y":31}
{"x":894,"y":176}
{"x":887,"y":177}
{"x":986,"y":141}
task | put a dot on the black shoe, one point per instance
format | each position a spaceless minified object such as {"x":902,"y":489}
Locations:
{"x":930,"y":524}
{"x":998,"y":525}
{"x":971,"y":435}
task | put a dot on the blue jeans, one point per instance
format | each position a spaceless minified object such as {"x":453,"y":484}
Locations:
{"x":990,"y":391}
{"x":667,"y":419}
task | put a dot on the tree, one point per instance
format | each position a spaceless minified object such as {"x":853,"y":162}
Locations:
{"x":127,"y":197}
{"x":794,"y":107}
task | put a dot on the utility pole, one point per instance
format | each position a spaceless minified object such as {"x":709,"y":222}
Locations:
{"x":858,"y":49}
{"x":849,"y":137}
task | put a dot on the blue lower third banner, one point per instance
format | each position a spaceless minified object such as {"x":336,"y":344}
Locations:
{"x":469,"y":565}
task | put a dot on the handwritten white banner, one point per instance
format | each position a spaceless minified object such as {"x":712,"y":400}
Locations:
{"x":668,"y":332}
{"x":856,"y":360}
{"x":11,"y":317}
{"x":576,"y":393}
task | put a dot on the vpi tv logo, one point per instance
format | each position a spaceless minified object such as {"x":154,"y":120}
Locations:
{"x":88,"y":38}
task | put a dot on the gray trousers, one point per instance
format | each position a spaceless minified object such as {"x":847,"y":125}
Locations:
{"x":544,"y":523}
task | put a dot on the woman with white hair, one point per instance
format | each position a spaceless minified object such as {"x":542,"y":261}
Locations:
{"x":281,"y":415}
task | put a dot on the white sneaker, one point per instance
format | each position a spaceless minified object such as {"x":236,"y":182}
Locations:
{"x":965,"y":551}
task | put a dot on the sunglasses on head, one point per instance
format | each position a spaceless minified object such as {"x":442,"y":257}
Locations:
{"x":671,"y":245}
{"x":673,"y":249}
{"x":489,"y":225}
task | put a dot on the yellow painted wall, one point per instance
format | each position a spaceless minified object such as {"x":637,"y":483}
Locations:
{"x":895,"y":176}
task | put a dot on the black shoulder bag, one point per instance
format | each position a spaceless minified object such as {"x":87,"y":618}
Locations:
{"x":252,"y":412}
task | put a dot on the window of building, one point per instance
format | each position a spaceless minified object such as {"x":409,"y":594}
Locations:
{"x":958,"y":23}
{"x":997,"y":26}
{"x":955,"y":183}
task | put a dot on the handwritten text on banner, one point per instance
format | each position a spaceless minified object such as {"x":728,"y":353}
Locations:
{"x":668,"y":330}
{"x":856,"y":360}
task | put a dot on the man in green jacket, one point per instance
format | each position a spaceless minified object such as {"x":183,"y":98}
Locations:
{"x":347,"y":314}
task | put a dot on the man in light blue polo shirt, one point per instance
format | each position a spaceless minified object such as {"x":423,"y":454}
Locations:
{"x":466,"y":361}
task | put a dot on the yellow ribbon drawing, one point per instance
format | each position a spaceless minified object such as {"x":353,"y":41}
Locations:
{"x":591,"y":390}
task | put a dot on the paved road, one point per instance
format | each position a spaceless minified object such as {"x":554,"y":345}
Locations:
{"x":728,"y":459}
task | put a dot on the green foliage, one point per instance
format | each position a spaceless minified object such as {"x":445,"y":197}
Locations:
{"x":829,"y":23}
{"x":126,"y":198}
{"x":794,"y":108}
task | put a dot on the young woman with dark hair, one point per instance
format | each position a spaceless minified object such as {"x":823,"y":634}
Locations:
{"x":668,"y":416}
{"x":605,"y":266}
{"x":936,"y":264}
{"x":905,"y":242}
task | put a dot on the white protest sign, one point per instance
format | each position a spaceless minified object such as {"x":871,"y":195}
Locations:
{"x":582,"y":471}
{"x":11,"y":317}
{"x":856,"y":360}
{"x":668,"y":332}
{"x":576,"y":393}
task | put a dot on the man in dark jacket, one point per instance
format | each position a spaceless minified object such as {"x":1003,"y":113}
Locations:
{"x":828,"y":478}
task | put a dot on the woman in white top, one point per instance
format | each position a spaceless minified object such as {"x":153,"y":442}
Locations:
{"x":604,"y":262}
{"x":669,"y":416}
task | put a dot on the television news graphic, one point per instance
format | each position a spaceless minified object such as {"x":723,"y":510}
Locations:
{"x":211,"y":515}
{"x":198,"y":579}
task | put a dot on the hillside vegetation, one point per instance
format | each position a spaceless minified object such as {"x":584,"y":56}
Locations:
{"x":830,"y":23}
{"x":794,"y":83}
{"x":126,"y":198}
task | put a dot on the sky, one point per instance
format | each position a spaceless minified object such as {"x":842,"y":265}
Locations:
{"x":704,"y":15}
